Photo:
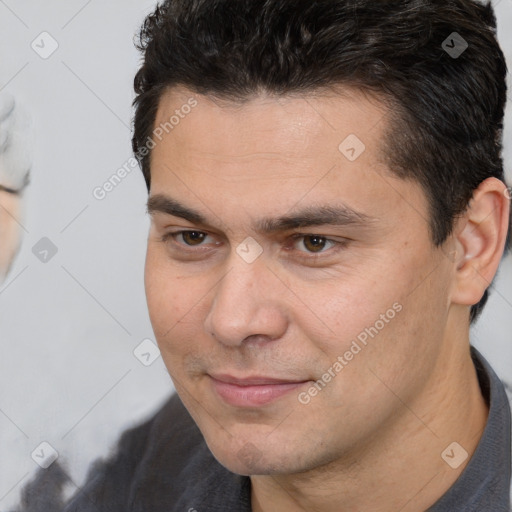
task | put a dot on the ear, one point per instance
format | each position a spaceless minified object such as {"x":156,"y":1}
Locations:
{"x":480,"y":237}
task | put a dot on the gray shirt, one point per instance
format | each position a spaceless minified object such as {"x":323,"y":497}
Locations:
{"x":484,"y":485}
{"x":164,"y":465}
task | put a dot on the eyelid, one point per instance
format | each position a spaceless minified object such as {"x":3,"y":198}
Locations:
{"x":299,"y":236}
{"x":338,"y":245}
{"x":173,"y":234}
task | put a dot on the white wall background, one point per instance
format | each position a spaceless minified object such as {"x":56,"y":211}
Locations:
{"x":68,"y":327}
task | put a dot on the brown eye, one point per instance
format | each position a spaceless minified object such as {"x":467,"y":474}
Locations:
{"x":314,"y":243}
{"x":193,"y":237}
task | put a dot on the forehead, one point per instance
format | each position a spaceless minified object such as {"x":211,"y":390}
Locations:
{"x":270,"y":154}
{"x":292,"y":127}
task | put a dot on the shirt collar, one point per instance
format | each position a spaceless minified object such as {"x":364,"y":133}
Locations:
{"x":484,"y":485}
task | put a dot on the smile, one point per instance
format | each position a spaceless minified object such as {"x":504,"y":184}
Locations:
{"x":252,"y":392}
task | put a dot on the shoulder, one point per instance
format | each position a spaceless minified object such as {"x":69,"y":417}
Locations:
{"x":147,"y":456}
{"x":161,"y":465}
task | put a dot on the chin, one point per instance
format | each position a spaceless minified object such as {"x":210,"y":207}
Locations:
{"x":254,"y":457}
{"x":249,"y":462}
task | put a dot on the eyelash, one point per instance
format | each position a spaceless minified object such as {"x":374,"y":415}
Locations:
{"x":338,"y":245}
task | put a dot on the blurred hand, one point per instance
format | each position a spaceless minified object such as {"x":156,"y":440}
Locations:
{"x":16,"y":142}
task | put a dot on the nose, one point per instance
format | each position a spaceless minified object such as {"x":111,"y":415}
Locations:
{"x":247,"y":304}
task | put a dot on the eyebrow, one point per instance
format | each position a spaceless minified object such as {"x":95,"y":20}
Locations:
{"x":309,"y":216}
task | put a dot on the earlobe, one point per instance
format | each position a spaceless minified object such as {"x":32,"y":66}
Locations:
{"x":480,"y":241}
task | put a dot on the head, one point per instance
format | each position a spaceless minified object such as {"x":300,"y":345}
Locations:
{"x":15,"y":162}
{"x":347,"y":122}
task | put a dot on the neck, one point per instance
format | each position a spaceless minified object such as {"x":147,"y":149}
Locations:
{"x":401,"y":468}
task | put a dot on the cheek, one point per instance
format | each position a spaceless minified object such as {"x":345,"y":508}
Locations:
{"x":164,"y":294}
{"x":342,"y":309}
{"x":174,"y":302}
{"x":372,"y":313}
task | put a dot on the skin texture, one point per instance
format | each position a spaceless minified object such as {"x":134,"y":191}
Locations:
{"x":16,"y":141}
{"x":372,"y":438}
{"x":10,"y":232}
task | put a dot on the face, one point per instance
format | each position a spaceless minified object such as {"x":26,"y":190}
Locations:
{"x":295,"y":283}
{"x":10,"y":231}
{"x":16,"y":141}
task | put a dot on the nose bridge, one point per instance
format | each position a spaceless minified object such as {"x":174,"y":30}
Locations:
{"x":245,"y":303}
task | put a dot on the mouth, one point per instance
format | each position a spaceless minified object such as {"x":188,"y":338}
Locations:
{"x":254,"y":391}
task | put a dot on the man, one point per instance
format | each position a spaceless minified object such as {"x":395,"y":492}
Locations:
{"x":15,"y":163}
{"x":328,"y":210}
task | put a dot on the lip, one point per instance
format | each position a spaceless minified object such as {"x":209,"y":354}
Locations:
{"x":254,"y":391}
